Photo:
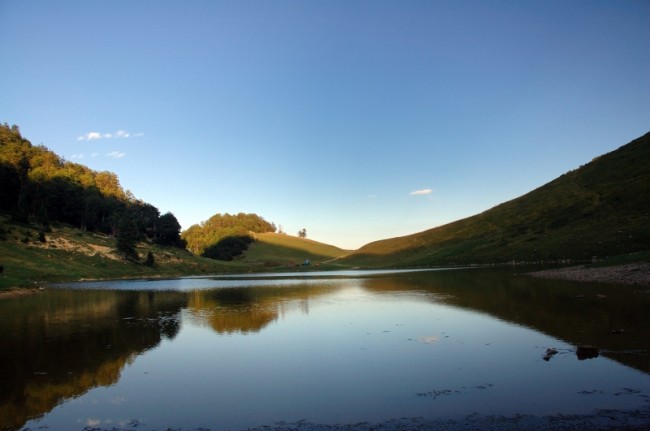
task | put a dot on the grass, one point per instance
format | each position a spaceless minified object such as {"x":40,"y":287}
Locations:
{"x":274,"y":250}
{"x":70,"y":254}
{"x":598,"y":211}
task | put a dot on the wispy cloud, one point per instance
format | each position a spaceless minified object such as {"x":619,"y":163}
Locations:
{"x":421,"y":192}
{"x":90,"y":136}
{"x":120,"y":134}
{"x":77,"y":156}
{"x":116,"y":154}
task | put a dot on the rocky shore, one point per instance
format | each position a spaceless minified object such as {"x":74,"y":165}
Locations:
{"x":637,"y":274}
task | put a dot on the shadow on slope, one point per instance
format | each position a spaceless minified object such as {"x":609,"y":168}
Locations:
{"x":274,"y":250}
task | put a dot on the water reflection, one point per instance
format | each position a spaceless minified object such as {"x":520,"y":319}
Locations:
{"x":614,"y":319}
{"x":361,"y":346}
{"x":245,"y":310}
{"x":58,"y":345}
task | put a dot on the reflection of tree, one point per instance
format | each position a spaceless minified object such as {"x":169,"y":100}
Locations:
{"x":249,"y":309}
{"x":579,"y":313}
{"x":244,"y":320}
{"x":60,"y":344}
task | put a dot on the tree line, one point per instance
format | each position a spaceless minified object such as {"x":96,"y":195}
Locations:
{"x":40,"y":186}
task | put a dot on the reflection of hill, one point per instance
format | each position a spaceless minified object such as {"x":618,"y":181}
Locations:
{"x":579,"y":313}
{"x":59,"y":344}
{"x":250,"y":309}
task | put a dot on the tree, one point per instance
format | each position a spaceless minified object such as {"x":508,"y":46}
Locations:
{"x":150,"y":259}
{"x":21,"y":211}
{"x":302,"y":233}
{"x":127,"y":237}
{"x":146,"y":216}
{"x":168,"y":230}
{"x":210,"y":232}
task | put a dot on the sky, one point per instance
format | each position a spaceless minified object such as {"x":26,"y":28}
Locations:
{"x":356,"y":120}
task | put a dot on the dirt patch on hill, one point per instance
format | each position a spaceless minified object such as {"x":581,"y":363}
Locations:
{"x":631,"y":274}
{"x":62,"y":243}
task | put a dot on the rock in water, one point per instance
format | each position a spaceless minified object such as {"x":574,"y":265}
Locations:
{"x":586,"y":352}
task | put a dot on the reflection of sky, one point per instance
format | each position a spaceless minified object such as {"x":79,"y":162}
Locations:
{"x":357,"y":355}
{"x":230,"y":280}
{"x":187,"y":284}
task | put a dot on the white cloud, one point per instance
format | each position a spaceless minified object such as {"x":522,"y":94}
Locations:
{"x":90,"y":136}
{"x":93,"y":155}
{"x":116,"y":154}
{"x":120,"y":134}
{"x":77,"y":156}
{"x":421,"y":192}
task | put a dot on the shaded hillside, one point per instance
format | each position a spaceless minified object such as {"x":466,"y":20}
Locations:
{"x":274,"y":249}
{"x":601,"y":209}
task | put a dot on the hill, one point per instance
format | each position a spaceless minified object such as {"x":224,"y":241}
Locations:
{"x":601,"y":209}
{"x":67,"y":253}
{"x":38,"y":185}
{"x":28,"y":256}
{"x":274,"y":250}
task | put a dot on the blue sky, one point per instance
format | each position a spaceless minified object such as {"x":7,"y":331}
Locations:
{"x":357,"y":120}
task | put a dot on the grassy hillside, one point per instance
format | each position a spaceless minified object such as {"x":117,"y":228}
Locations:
{"x":274,"y":250}
{"x":70,"y":254}
{"x":601,"y":209}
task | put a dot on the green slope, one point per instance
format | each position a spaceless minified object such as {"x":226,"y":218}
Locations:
{"x":70,"y":254}
{"x":274,"y":250}
{"x":601,"y":209}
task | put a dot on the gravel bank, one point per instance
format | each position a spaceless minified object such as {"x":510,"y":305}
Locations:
{"x":632,"y":274}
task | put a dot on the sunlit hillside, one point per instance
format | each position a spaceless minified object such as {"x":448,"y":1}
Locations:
{"x":600,"y":210}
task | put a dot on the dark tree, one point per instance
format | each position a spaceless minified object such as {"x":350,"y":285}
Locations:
{"x":150,"y":259}
{"x":21,"y":211}
{"x":169,"y":230}
{"x":127,"y":237}
{"x":42,"y":218}
{"x":10,"y":189}
{"x":146,"y":216}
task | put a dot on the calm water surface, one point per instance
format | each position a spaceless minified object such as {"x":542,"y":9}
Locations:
{"x":325,"y":348}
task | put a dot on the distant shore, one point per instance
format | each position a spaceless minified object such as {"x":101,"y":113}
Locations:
{"x":637,"y":274}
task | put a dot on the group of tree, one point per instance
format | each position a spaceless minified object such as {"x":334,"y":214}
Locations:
{"x":224,"y":236}
{"x":38,"y":185}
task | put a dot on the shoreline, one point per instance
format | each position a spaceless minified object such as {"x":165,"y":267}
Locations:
{"x":19,"y":291}
{"x":632,"y":274}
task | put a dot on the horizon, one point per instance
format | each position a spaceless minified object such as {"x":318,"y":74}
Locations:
{"x":356,"y":121}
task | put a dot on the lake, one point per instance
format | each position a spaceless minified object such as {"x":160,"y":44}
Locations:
{"x":437,"y":349}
